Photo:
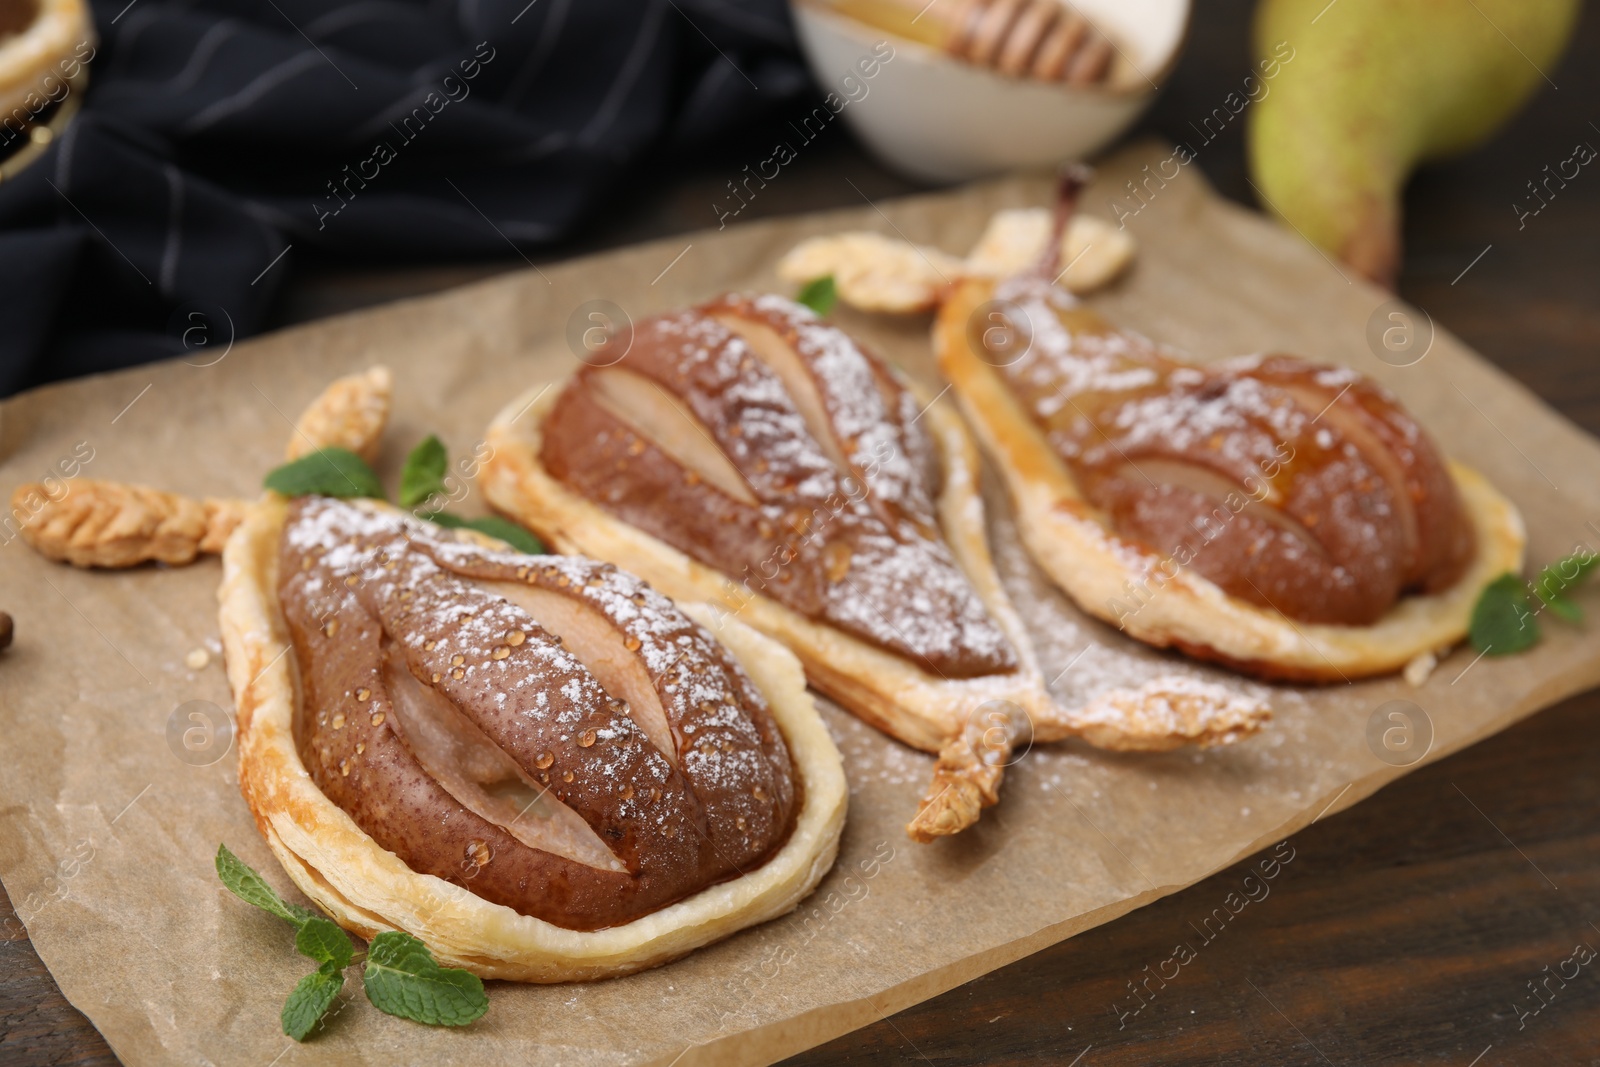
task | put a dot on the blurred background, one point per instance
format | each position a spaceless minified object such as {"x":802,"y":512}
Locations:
{"x":222,"y":168}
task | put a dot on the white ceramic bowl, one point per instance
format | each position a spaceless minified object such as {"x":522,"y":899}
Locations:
{"x":941,"y":119}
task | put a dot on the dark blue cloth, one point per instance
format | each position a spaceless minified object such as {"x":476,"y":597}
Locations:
{"x":216,"y":134}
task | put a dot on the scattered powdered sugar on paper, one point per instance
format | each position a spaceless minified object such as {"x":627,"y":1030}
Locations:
{"x":871,"y":757}
{"x":1082,"y":658}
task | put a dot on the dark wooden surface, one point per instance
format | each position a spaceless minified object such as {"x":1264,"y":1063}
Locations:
{"x":1405,"y":930}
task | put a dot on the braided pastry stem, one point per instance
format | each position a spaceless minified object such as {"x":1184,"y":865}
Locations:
{"x":110,"y":524}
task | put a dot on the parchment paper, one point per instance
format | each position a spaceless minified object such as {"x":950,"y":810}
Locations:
{"x":107,"y":836}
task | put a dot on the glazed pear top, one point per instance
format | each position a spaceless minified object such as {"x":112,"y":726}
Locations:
{"x":770,"y":446}
{"x":1293,"y":486}
{"x":545,"y":731}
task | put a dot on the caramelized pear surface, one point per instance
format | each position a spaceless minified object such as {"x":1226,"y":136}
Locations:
{"x":768,"y":445}
{"x":545,"y":731}
{"x":1303,"y":488}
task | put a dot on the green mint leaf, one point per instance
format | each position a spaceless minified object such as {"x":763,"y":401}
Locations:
{"x":509,"y":532}
{"x":251,"y":888}
{"x":1555,"y":580}
{"x":324,"y":942}
{"x":1502,"y":619}
{"x":1564,"y":608}
{"x":493,"y":525}
{"x":445,"y":519}
{"x":819,"y":294}
{"x":310,"y":1000}
{"x":326,"y":472}
{"x":402,"y":978}
{"x":423,"y":474}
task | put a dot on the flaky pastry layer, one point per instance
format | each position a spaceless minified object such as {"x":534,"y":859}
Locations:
{"x":368,"y":889}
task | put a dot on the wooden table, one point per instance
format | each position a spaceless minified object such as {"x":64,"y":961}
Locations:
{"x":1407,"y":929}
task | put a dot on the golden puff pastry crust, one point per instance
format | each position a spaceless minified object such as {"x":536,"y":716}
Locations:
{"x":1153,"y":597}
{"x":369,"y":889}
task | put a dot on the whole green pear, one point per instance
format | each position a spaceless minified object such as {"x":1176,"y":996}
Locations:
{"x":1376,"y":87}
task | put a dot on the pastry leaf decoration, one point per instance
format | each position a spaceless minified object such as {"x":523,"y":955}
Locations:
{"x":401,"y":976}
{"x":326,"y":472}
{"x":423,"y":474}
{"x":819,"y":294}
{"x":1505,"y":620}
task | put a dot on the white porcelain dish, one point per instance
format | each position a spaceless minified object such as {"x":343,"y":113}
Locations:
{"x":941,"y":119}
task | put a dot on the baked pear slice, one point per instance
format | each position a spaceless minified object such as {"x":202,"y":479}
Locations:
{"x":1288,"y":519}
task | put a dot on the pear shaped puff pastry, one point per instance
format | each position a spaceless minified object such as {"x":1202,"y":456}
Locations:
{"x":747,"y":454}
{"x":538,"y":765}
{"x":1287,"y":519}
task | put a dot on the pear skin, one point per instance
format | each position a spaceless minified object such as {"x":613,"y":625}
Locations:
{"x":1376,"y":87}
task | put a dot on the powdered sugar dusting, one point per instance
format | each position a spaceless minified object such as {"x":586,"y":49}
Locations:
{"x":436,"y":597}
{"x":854,"y":543}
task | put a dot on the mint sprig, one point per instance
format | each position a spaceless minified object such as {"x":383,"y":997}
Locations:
{"x":423,"y":478}
{"x":1505,"y":619}
{"x":323,"y":941}
{"x":819,"y":294}
{"x":512,"y":534}
{"x":326,"y":472}
{"x":1502,"y":619}
{"x":310,"y":1000}
{"x":423,"y":474}
{"x":243,"y":882}
{"x":493,"y":525}
{"x":341,"y":473}
{"x":400,"y":976}
{"x":1555,"y":580}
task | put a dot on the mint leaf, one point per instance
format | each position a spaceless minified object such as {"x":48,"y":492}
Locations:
{"x":324,"y":942}
{"x":1564,"y":608}
{"x":1502,"y":619}
{"x":311,"y":999}
{"x":402,"y":978}
{"x":819,"y":294}
{"x":1562,"y":575}
{"x":445,"y":519}
{"x":326,"y":472}
{"x":423,"y":474}
{"x":493,"y":525}
{"x":251,"y":888}
{"x":509,"y":532}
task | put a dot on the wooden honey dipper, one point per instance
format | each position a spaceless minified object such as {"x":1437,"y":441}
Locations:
{"x":1041,"y":39}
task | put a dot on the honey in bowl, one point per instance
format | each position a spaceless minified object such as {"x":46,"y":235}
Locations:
{"x":1044,"y":40}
